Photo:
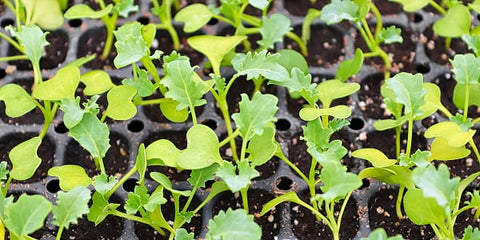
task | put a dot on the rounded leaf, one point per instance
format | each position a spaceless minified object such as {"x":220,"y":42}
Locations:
{"x":24,"y":158}
{"x":70,"y":176}
{"x":120,"y":105}
{"x":17,"y":101}
{"x":97,"y":82}
{"x":194,"y":17}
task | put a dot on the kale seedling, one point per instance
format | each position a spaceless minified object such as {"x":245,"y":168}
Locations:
{"x":47,"y":14}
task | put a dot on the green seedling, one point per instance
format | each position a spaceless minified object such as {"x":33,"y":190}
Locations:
{"x":47,"y":14}
{"x":163,"y":11}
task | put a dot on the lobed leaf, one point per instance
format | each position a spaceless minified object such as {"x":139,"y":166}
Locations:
{"x":142,"y":83}
{"x":390,"y":35}
{"x":103,"y":183}
{"x":234,"y":225}
{"x":409,"y":91}
{"x":33,"y":40}
{"x":339,"y":10}
{"x":337,"y":182}
{"x":17,"y":101}
{"x":92,"y":135}
{"x":259,"y":64}
{"x":70,"y":206}
{"x":194,"y":17}
{"x":125,"y":7}
{"x":131,"y":47}
{"x":227,"y":171}
{"x":273,"y":29}
{"x":198,"y":177}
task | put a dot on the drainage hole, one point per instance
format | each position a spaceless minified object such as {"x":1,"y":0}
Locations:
{"x":130,"y":184}
{"x":143,"y":20}
{"x":283,"y":124}
{"x":417,"y":17}
{"x":365,"y":183}
{"x":135,"y":126}
{"x":284,"y":183}
{"x":61,"y":128}
{"x":212,"y":21}
{"x":210,"y":123}
{"x":356,"y":124}
{"x":74,"y":23}
{"x":3,"y":73}
{"x":7,"y":21}
{"x":53,"y":186}
{"x":209,"y":183}
{"x":423,"y":68}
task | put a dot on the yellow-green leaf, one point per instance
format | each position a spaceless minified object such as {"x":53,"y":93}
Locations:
{"x":96,"y":82}
{"x":309,"y":114}
{"x":120,"y":105}
{"x":374,"y":156}
{"x":70,"y":176}
{"x":25,"y":160}
{"x":63,"y":85}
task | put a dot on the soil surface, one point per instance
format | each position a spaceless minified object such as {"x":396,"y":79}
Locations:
{"x":93,"y":42}
{"x":435,"y":47}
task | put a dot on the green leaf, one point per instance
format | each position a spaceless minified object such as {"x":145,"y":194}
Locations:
{"x":103,"y":183}
{"x":131,"y":46}
{"x":46,"y":14}
{"x":182,"y":234}
{"x":441,"y":150}
{"x":412,"y":5}
{"x":287,"y":197}
{"x":339,"y":10}
{"x":198,"y":177}
{"x":17,"y":101}
{"x":419,"y":158}
{"x":374,"y":156}
{"x":390,"y":35}
{"x":330,"y":90}
{"x":381,"y":234}
{"x":125,"y":7}
{"x":471,"y":233}
{"x":63,"y":85}
{"x":165,"y":182}
{"x":143,"y":85}
{"x":169,"y":110}
{"x":4,"y":203}
{"x":234,"y":225}
{"x":70,"y":176}
{"x":71,"y":206}
{"x":100,"y":208}
{"x":33,"y":40}
{"x":390,"y":175}
{"x":235,"y":183}
{"x":24,"y":158}
{"x":92,"y":135}
{"x":384,"y":124}
{"x":259,"y":64}
{"x":474,"y":202}
{"x":423,"y":210}
{"x":301,"y":84}
{"x":465,"y":125}
{"x":3,"y":170}
{"x":26,"y":215}
{"x":409,"y":91}
{"x":137,"y":199}
{"x":291,"y":59}
{"x":310,"y":114}
{"x":141,"y":162}
{"x":456,"y":22}
{"x":465,"y":68}
{"x":451,"y":132}
{"x":194,"y":17}
{"x":96,"y":82}
{"x":333,"y":153}
{"x":437,"y":184}
{"x":337,"y":182}
{"x":261,"y":148}
{"x":273,"y":29}
{"x":73,"y":114}
{"x":202,"y":149}
{"x":214,"y":47}
{"x":459,"y":93}
{"x":182,"y":86}
{"x":155,"y":199}
{"x":317,"y":136}
{"x":255,"y":114}
{"x":260,"y":4}
{"x":162,"y":150}
{"x":473,"y":42}
{"x":348,"y":68}
{"x":432,"y":101}
{"x":85,"y":11}
{"x":120,"y":105}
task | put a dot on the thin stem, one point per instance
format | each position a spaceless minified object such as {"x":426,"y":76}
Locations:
{"x":299,"y":41}
{"x":121,"y":181}
{"x":99,"y":164}
{"x":466,"y":102}
{"x":435,"y":230}
{"x":194,"y":115}
{"x":223,"y":19}
{"x":342,"y":209}
{"x":104,"y":116}
{"x":17,"y":15}
{"x":333,"y":224}
{"x":37,"y":74}
{"x":437,"y":7}
{"x":295,"y":168}
{"x":148,"y":64}
{"x":151,"y":101}
{"x":378,"y":16}
{"x":475,"y":149}
{"x":370,"y":54}
{"x":229,"y":138}
{"x":398,"y":204}
{"x":477,"y":120}
{"x":311,"y":187}
{"x":49,"y":114}
{"x":409,"y":137}
{"x":368,"y":31}
{"x":59,"y":233}
{"x":12,"y":42}
{"x":140,"y":220}
{"x":13,"y":58}
{"x":448,"y":42}
{"x":110,"y":25}
{"x":189,"y":200}
{"x":244,"y":193}
{"x":398,"y":136}
{"x":7,"y":185}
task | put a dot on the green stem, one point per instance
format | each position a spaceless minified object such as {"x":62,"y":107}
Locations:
{"x":330,"y":209}
{"x":448,"y":42}
{"x":148,"y":64}
{"x":121,"y":181}
{"x":295,"y":168}
{"x":477,"y":120}
{"x":7,"y":185}
{"x":189,"y":200}
{"x":59,"y":233}
{"x":342,"y":210}
{"x":378,"y":17}
{"x":12,"y":42}
{"x":140,"y":220}
{"x":13,"y":58}
{"x":194,"y":115}
{"x":49,"y":114}
{"x":436,"y":231}
{"x":37,"y":74}
{"x":244,"y":193}
{"x":299,"y":41}
{"x":229,"y":138}
{"x":398,"y":204}
{"x":99,"y":164}
{"x":409,"y":137}
{"x":466,"y":102}
{"x":437,"y":7}
{"x":110,"y":24}
{"x":370,"y":54}
{"x":17,"y":15}
{"x":475,"y":149}
{"x":311,"y":187}
{"x":398,"y":136}
{"x":151,"y":101}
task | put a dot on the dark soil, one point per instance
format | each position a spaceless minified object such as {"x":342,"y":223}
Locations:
{"x":55,"y":53}
{"x":385,"y":142}
{"x":435,"y":47}
{"x":306,"y":227}
{"x":195,"y":225}
{"x":93,"y":42}
{"x":252,"y":39}
{"x":403,"y":53}
{"x":164,"y":42}
{"x":33,"y":117}
{"x":447,"y":83}
{"x":300,"y":8}
{"x":256,"y":200}
{"x":115,"y":161}
{"x":325,"y":48}
{"x":370,"y":100}
{"x":388,"y":8}
{"x":46,"y":152}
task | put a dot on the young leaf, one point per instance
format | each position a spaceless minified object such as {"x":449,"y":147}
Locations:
{"x":423,"y":210}
{"x":141,"y":162}
{"x":310,"y":114}
{"x":301,"y":83}
{"x":337,"y":182}
{"x":17,"y":101}
{"x":120,"y":105}
{"x":374,"y":156}
{"x":137,"y":199}
{"x":202,"y":149}
{"x":350,"y":67}
{"x":26,"y":215}
{"x":73,"y":114}
{"x":334,"y":152}
{"x":63,"y":85}
{"x":409,"y":91}
{"x":24,"y":158}
{"x":419,"y":158}
{"x":103,"y":183}
{"x":215,"y":47}
{"x":255,"y":114}
{"x":198,"y":177}
{"x":442,"y":150}
{"x":70,"y":206}
{"x":451,"y":132}
{"x":70,"y":176}
{"x":394,"y":174}
{"x":235,"y":183}
{"x":471,"y":233}
{"x":437,"y":184}
{"x":96,"y":82}
{"x":3,"y":170}
{"x":380,"y":234}
{"x":412,"y":5}
{"x":143,"y":85}
{"x":291,"y":59}
{"x":432,"y":101}
{"x":131,"y":46}
{"x":474,"y":202}
{"x":384,"y":124}
{"x":459,"y":95}
{"x":339,"y":10}
{"x":330,"y":90}
{"x":390,"y":35}
{"x":33,"y":40}
{"x":125,"y":7}
{"x":165,"y":182}
{"x":234,"y":225}
{"x":259,"y":64}
{"x":92,"y":135}
{"x":465,"y":67}
{"x":182,"y":234}
{"x":272,"y":30}
{"x":473,"y":42}
{"x":456,"y":22}
{"x":182,"y":86}
{"x":194,"y":17}
{"x":100,"y":208}
{"x":85,"y":11}
{"x":260,"y":4}
{"x":154,"y":200}
{"x":261,"y":148}
{"x":46,"y":14}
{"x":163,"y":150}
